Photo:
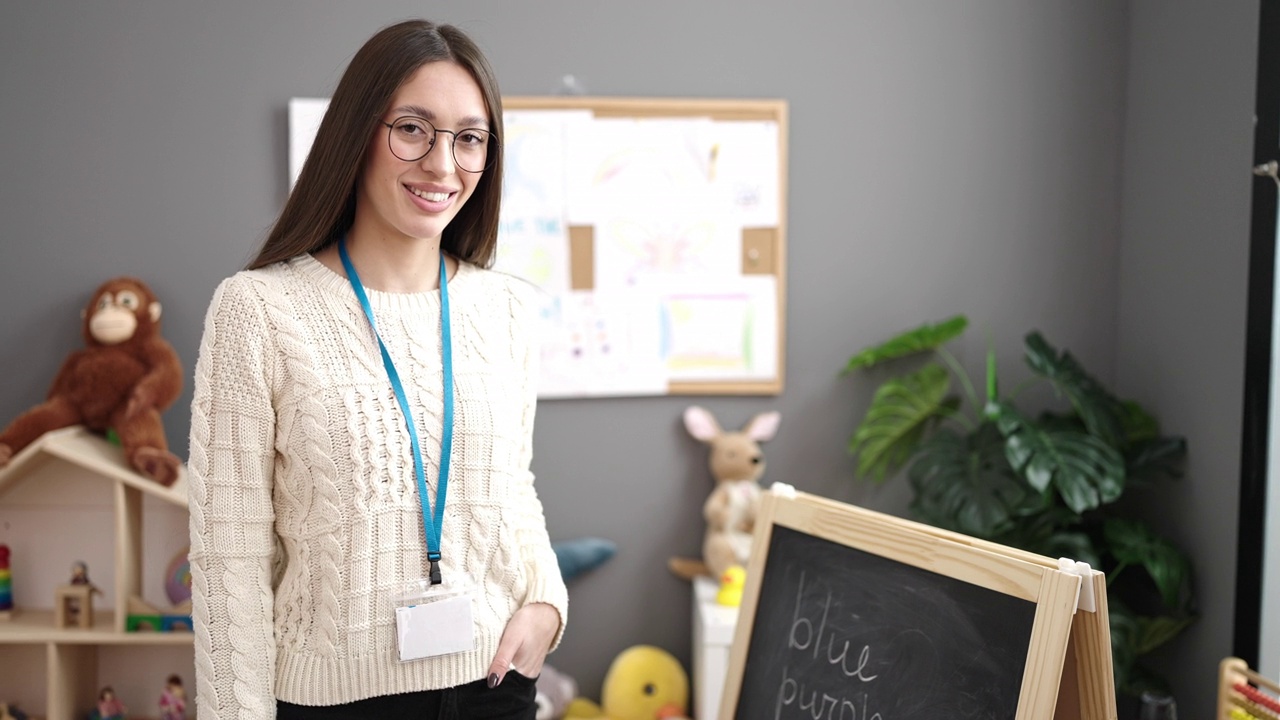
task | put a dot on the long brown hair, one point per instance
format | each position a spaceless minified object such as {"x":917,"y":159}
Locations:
{"x":322,"y":206}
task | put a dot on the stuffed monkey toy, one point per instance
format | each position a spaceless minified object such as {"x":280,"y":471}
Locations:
{"x":122,"y":380}
{"x":737,"y":463}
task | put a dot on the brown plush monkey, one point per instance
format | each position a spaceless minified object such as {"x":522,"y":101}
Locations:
{"x":126,"y":376}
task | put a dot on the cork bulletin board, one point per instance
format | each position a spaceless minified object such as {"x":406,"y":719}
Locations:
{"x":674,"y":227}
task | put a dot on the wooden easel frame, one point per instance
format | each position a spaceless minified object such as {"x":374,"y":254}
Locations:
{"x":1068,"y":673}
{"x":764,"y":249}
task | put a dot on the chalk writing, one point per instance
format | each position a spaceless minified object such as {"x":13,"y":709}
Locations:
{"x":842,"y":634}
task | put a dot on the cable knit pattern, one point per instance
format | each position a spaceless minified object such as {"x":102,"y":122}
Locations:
{"x":305,"y":517}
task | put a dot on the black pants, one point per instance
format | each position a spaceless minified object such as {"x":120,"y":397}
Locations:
{"x":512,"y":700}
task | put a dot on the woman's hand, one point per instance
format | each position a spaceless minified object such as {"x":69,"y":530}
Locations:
{"x":525,"y":642}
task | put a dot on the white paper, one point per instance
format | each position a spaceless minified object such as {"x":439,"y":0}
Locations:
{"x":305,"y":115}
{"x":640,"y":164}
{"x":745,"y":170}
{"x":440,"y":627}
{"x":533,"y":236}
{"x":724,"y":330}
{"x":599,"y":344}
{"x":689,"y":240}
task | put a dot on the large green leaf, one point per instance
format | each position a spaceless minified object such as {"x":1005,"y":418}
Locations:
{"x":1156,"y":631}
{"x":900,"y":412}
{"x":1126,"y":633}
{"x":1155,"y":458}
{"x":1098,"y":408}
{"x":963,"y":483}
{"x":1085,"y":471}
{"x":1137,"y":423}
{"x":924,"y":338}
{"x":1133,"y":543}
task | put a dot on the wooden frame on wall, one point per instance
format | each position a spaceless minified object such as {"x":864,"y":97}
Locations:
{"x":763,"y":248}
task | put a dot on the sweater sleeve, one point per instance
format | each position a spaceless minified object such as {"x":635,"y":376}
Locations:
{"x":231,"y":515}
{"x":545,"y":584}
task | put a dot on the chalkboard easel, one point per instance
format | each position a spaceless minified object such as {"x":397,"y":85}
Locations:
{"x":852,"y":614}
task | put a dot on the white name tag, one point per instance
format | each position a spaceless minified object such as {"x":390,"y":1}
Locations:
{"x":438,"y":627}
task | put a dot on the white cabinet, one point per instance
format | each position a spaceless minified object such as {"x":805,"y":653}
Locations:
{"x":713,"y":627}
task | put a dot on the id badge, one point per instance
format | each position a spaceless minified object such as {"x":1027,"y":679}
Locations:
{"x":434,"y":620}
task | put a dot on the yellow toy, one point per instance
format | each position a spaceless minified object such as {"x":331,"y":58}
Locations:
{"x":732,"y":581}
{"x":643,"y":683}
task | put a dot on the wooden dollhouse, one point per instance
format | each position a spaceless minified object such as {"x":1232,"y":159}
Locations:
{"x":71,"y":648}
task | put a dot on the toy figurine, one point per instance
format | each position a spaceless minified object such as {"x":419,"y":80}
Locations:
{"x":73,"y":602}
{"x":173,"y":703}
{"x":80,"y":573}
{"x":109,"y":706}
{"x":6,"y":587}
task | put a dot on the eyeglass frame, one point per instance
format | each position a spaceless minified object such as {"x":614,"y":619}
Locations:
{"x":493,"y":140}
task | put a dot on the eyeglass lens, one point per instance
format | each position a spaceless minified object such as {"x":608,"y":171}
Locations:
{"x":411,"y":138}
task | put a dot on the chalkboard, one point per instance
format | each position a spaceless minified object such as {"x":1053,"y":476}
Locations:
{"x":842,"y":633}
{"x":850,"y":614}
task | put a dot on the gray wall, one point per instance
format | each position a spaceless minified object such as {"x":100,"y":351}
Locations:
{"x":1183,"y":274}
{"x":946,"y":156}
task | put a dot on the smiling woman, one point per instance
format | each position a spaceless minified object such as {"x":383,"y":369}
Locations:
{"x":334,"y":574}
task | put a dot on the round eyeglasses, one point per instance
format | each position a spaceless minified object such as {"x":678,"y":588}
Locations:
{"x":411,"y":138}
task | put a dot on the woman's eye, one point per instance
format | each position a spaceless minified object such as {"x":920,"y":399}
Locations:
{"x":471,"y":137}
{"x":410,"y":129}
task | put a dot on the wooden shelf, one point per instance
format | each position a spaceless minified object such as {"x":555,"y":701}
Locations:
{"x":31,"y":627}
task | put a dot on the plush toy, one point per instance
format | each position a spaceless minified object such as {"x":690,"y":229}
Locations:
{"x":582,"y":555}
{"x":737,"y":463}
{"x":121,"y":381}
{"x":555,"y":690}
{"x":643,"y":683}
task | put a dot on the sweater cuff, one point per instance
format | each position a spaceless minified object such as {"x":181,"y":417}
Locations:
{"x":552,"y":592}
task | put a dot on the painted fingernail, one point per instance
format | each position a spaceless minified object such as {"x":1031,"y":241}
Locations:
{"x":493,"y":680}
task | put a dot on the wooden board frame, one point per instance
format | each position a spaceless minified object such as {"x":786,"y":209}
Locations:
{"x":765,"y":248}
{"x":1068,"y":673}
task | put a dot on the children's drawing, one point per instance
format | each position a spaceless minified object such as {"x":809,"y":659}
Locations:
{"x":596,"y":344}
{"x":694,"y":244}
{"x":726,"y":331}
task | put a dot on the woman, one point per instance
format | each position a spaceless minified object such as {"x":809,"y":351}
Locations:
{"x":363,"y":419}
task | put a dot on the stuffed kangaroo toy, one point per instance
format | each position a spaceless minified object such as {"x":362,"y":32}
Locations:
{"x":730,"y":511}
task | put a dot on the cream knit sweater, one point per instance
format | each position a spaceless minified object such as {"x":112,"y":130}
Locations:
{"x":305,"y":518}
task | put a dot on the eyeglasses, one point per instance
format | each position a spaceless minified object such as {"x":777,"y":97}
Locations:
{"x":411,"y":138}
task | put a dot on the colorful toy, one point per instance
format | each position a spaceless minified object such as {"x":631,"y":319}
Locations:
{"x":732,"y":581}
{"x":121,"y":381}
{"x":6,"y":586}
{"x":143,"y":616}
{"x":577,"y":557}
{"x":177,"y":578}
{"x":109,"y":706}
{"x":555,"y":690}
{"x":737,"y":463}
{"x":173,"y":702}
{"x":643,"y":683}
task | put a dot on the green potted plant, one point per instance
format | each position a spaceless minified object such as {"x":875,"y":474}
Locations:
{"x":1048,"y":483}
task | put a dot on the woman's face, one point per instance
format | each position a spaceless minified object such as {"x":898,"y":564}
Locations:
{"x":417,"y":200}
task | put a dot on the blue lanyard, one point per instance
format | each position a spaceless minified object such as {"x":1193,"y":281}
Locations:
{"x":431,"y":522}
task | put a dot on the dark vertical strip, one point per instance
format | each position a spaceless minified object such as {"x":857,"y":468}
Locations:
{"x":1258,"y":340}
